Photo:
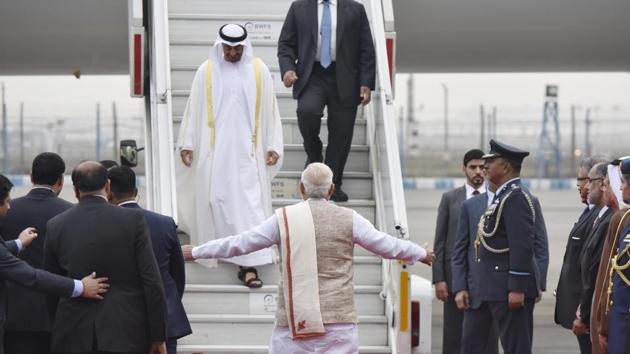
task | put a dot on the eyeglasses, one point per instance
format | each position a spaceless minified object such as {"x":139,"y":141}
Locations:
{"x":582,"y":179}
{"x":591,"y":180}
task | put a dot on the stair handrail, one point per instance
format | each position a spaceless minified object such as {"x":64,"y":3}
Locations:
{"x":391,"y":213}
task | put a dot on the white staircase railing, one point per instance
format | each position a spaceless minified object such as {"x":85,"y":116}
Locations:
{"x":391,"y":214}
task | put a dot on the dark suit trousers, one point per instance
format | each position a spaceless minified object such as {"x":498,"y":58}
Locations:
{"x":515,"y":327}
{"x":21,"y":342}
{"x":586,"y":347}
{"x":171,"y":346}
{"x":321,"y":91}
{"x":452,"y":332}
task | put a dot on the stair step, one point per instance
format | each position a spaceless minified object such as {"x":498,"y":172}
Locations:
{"x":286,"y":185}
{"x":194,"y":52}
{"x":241,"y":300}
{"x":295,"y":157}
{"x":286,"y":105}
{"x":271,"y":7}
{"x":182,"y":79}
{"x":367,"y":271}
{"x":196,"y":26}
{"x":256,"y":329}
{"x":259,"y":349}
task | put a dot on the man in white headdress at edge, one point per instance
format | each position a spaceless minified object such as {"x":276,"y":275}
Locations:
{"x":230,"y":144}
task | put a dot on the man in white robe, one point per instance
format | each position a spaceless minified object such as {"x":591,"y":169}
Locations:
{"x":340,"y":331}
{"x":230,"y":142}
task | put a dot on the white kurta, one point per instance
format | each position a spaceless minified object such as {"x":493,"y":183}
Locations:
{"x":227,"y":189}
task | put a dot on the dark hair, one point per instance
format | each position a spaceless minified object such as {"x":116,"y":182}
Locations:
{"x":601,"y":169}
{"x":47,"y":168}
{"x":122,"y":181}
{"x":89,"y":178}
{"x":5,"y":188}
{"x":587,"y":163}
{"x":474,"y":154}
{"x":109,"y":163}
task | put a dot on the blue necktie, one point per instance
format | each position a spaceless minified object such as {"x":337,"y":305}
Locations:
{"x":325,"y":57}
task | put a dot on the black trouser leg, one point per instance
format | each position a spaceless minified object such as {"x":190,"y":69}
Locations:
{"x":515,"y":326}
{"x":476,"y":329}
{"x":171,"y":346}
{"x":310,"y":110}
{"x":452,"y":331}
{"x":341,"y":119}
{"x":585,"y":344}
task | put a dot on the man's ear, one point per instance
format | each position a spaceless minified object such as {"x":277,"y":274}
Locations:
{"x":135,"y":192}
{"x":302,"y":189}
{"x":108,"y":187}
{"x":77,"y":194}
{"x":332,"y":189}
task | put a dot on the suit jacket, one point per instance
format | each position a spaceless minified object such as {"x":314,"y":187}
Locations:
{"x":28,"y":310}
{"x":19,"y":272}
{"x":570,"y":281}
{"x":445,"y":234}
{"x":113,"y":242}
{"x":355,"y":58}
{"x":463,"y":261}
{"x":170,"y":261}
{"x":516,"y":270}
{"x":589,"y":263}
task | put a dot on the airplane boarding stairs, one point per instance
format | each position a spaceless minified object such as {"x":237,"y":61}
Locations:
{"x":226,"y":316}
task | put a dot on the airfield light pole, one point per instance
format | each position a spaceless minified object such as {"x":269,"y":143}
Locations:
{"x":98,"y":131}
{"x":115,"y":129}
{"x":5,"y":135}
{"x":445,"y":118}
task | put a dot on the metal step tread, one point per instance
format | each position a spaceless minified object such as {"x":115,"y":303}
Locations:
{"x":272,"y":68}
{"x":203,"y":288}
{"x":300,"y":147}
{"x":185,"y":93}
{"x":348,"y":174}
{"x":291,"y":120}
{"x":239,"y":16}
{"x":239,"y":349}
{"x":255,"y":42}
{"x":238,"y":318}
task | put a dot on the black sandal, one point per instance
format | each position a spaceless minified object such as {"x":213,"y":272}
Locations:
{"x":253,"y":283}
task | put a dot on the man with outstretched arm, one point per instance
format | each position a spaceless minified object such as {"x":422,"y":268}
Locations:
{"x":316,"y":238}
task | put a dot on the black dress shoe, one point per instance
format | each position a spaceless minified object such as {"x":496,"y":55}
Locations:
{"x":339,"y":196}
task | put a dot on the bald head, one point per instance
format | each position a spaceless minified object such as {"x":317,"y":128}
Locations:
{"x":89,"y":177}
{"x":317,"y":180}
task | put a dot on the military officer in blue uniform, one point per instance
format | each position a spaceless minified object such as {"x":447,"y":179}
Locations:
{"x":504,"y":250}
{"x":620,"y":279}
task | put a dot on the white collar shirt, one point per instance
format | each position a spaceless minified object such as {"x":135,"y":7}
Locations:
{"x":333,"y":24}
{"x":470,"y":190}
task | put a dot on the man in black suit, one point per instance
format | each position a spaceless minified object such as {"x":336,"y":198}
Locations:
{"x":21,"y":273}
{"x":445,"y":233}
{"x":591,"y":253}
{"x":570,"y":281}
{"x":28,"y":324}
{"x":326,"y":53}
{"x":167,"y":250}
{"x":504,"y":250}
{"x":115,"y":242}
